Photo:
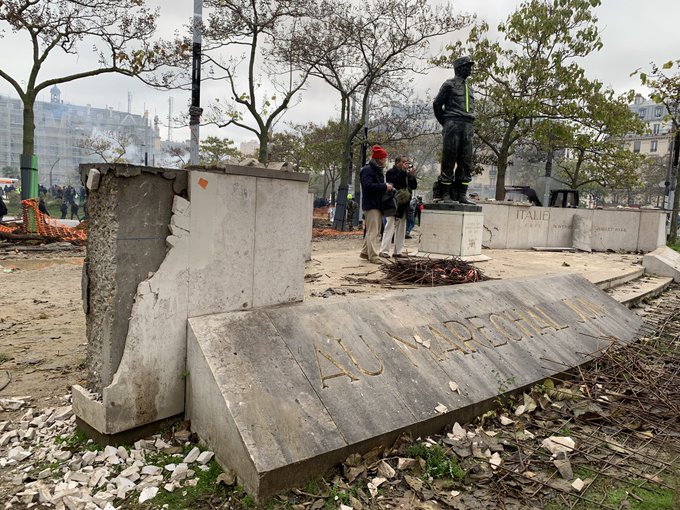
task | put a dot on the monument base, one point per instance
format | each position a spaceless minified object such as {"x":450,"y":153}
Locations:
{"x":451,"y":229}
{"x":282,"y":394}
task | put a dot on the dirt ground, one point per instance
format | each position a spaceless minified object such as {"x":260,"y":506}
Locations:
{"x":42,"y":323}
{"x":42,"y":326}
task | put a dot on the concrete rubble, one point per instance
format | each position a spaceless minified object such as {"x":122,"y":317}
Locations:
{"x":49,"y":473}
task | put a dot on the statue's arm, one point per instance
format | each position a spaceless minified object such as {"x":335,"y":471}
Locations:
{"x":439,"y":103}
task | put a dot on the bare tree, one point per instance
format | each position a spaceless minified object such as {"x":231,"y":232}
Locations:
{"x":111,"y":146}
{"x":377,"y":47}
{"x":118,"y":30}
{"x":267,"y":31}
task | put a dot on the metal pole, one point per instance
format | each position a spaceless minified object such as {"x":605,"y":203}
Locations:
{"x":195,"y":110}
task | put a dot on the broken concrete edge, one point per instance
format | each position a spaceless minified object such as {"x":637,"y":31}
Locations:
{"x":663,"y":261}
{"x":140,"y":373}
{"x":127,"y":170}
{"x":250,"y":171}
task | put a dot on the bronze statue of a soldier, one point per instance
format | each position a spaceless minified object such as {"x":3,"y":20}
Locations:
{"x":454,"y":109}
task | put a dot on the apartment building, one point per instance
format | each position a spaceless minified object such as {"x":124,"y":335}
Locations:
{"x":61,"y":128}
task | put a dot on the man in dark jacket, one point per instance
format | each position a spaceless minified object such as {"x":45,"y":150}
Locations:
{"x":373,"y":187}
{"x":454,"y":110}
{"x":403,"y":177}
{"x":3,"y":207}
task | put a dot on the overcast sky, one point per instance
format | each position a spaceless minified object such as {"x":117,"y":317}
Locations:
{"x":634,"y":34}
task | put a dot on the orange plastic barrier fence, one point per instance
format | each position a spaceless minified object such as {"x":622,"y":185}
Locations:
{"x":46,"y":227}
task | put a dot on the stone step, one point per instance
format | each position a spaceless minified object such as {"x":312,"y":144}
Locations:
{"x":607,"y":280}
{"x":645,"y":287}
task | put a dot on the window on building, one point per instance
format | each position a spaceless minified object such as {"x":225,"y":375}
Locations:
{"x":636,"y":146}
{"x":658,"y":111}
{"x":656,"y":128}
{"x":654,"y":145}
{"x":642,"y":112}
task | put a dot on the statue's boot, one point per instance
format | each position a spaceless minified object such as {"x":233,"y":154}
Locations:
{"x":442,"y":190}
{"x":461,"y":196}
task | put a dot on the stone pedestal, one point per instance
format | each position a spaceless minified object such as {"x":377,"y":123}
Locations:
{"x":451,"y":229}
{"x":167,"y":245}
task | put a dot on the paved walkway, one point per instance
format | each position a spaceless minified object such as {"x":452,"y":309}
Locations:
{"x":330,"y":268}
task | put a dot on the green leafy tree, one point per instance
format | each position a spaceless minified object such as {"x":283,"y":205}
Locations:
{"x":589,"y":139}
{"x":287,"y":147}
{"x":118,"y":30}
{"x":664,"y":83}
{"x":532,"y":74}
{"x":215,"y":150}
{"x":653,"y":172}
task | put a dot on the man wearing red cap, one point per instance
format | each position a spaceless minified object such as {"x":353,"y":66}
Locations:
{"x":373,"y":187}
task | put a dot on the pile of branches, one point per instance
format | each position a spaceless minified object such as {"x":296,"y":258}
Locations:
{"x":432,"y":272}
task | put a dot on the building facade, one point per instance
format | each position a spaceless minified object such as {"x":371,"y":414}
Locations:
{"x":62,"y":131}
{"x":657,"y":140}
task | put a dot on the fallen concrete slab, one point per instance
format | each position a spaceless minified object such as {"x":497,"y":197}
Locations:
{"x":281,"y":394}
{"x":663,"y":261}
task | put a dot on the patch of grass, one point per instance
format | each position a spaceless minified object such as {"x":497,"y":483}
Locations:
{"x":617,"y":494}
{"x":197,"y":496}
{"x":3,"y":358}
{"x":338,"y":496}
{"x":312,"y":487}
{"x":41,"y":466}
{"x":77,"y":441}
{"x":437,"y":463}
{"x":675,"y":246}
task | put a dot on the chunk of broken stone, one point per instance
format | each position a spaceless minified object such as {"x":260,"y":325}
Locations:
{"x":228,"y":478}
{"x":192,"y":456}
{"x":441,"y":409}
{"x":180,"y":472}
{"x":151,"y":470}
{"x":404,"y":463}
{"x":8,"y":436}
{"x":458,"y":432}
{"x":18,"y":453}
{"x":564,"y":467}
{"x":385,"y":470}
{"x":557,"y":444}
{"x":11,"y":404}
{"x":147,"y":494}
{"x":205,"y":457}
{"x":62,"y":455}
{"x":505,"y":421}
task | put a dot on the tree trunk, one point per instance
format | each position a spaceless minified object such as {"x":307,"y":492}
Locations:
{"x":500,"y":176}
{"x":263,"y":152}
{"x":28,"y":142}
{"x":673,"y":234}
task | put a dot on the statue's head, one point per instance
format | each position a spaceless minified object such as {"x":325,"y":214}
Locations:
{"x":462,"y":66}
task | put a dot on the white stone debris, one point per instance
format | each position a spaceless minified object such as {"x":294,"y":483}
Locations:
{"x":559,"y":444}
{"x":82,"y":480}
{"x":192,"y":456}
{"x":147,"y":494}
{"x":205,"y":457}
{"x":12,"y":404}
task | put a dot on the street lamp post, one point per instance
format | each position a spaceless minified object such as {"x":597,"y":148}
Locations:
{"x":195,"y":110}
